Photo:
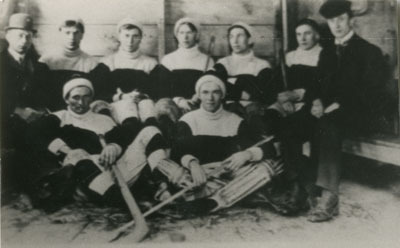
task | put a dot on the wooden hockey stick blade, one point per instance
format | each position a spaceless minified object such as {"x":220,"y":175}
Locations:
{"x":141,"y":228}
{"x":122,"y":230}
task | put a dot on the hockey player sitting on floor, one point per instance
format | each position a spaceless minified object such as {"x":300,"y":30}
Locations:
{"x":74,"y":164}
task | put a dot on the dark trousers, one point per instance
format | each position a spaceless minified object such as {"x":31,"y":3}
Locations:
{"x":325,"y":135}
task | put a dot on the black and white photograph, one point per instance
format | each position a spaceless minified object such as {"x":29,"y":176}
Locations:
{"x":180,"y":123}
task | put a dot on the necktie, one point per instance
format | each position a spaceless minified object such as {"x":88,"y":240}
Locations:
{"x":340,"y":52}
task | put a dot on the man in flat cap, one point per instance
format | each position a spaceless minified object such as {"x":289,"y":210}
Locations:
{"x":128,"y":71}
{"x":66,"y":60}
{"x":247,"y":77}
{"x":21,"y":73}
{"x":352,"y":75}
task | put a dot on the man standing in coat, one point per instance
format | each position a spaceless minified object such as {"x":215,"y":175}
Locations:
{"x":19,"y":77}
{"x":351,"y":94}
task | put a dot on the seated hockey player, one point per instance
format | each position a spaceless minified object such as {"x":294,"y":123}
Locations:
{"x":126,"y":70}
{"x":74,"y":164}
{"x":180,"y":70}
{"x":218,"y":149}
{"x":248,"y":78}
{"x":68,"y":59}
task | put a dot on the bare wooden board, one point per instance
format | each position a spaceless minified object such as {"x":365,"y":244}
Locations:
{"x":95,"y":11}
{"x":222,"y":11}
{"x":385,"y":150}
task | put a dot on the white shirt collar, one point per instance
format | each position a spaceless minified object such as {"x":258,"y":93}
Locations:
{"x":17,"y":56}
{"x":345,"y":39}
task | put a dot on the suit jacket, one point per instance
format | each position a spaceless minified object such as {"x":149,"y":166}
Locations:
{"x":355,"y":78}
{"x":20,"y":87}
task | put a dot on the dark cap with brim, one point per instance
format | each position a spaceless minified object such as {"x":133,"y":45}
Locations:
{"x":21,"y":21}
{"x":333,"y":8}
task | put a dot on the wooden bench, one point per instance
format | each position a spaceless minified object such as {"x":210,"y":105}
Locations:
{"x":382,"y":148}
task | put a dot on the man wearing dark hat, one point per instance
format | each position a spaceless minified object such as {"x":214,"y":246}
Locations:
{"x":128,"y":71}
{"x":66,"y":61}
{"x":20,"y":76}
{"x":352,"y":74}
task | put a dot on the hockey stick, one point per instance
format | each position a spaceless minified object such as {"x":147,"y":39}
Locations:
{"x":120,"y":231}
{"x":210,"y":47}
{"x":141,"y":229}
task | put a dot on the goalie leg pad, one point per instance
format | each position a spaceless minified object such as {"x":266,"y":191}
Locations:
{"x":247,"y":180}
{"x":175,"y":173}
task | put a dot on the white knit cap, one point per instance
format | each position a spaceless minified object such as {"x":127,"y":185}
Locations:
{"x":76,"y":82}
{"x":129,"y":21}
{"x":247,"y":27}
{"x":210,"y":78}
{"x":187,"y":20}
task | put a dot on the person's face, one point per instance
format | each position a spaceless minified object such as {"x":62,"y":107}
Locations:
{"x":79,"y":100}
{"x":130,"y":39}
{"x":306,"y":37}
{"x":186,"y":37}
{"x":71,"y":37}
{"x":19,"y":40}
{"x":340,"y":25}
{"x":210,"y":96}
{"x":239,"y":41}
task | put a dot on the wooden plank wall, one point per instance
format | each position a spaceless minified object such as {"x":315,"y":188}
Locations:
{"x":101,"y":17}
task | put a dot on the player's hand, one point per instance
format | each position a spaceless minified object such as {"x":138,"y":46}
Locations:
{"x":198,"y":174}
{"x":237,"y":160}
{"x":109,"y":155}
{"x":317,"y":108}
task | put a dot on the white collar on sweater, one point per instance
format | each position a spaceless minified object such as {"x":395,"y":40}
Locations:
{"x":63,"y":59}
{"x":345,"y":39}
{"x":97,"y":123}
{"x":128,"y":55}
{"x":17,"y":56}
{"x":304,"y":57}
{"x":134,"y":61}
{"x":237,"y":64}
{"x":212,"y":115}
{"x":243,"y":57}
{"x":189,"y":52}
{"x":220,"y":123}
{"x":71,"y":53}
{"x":186,"y":58}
